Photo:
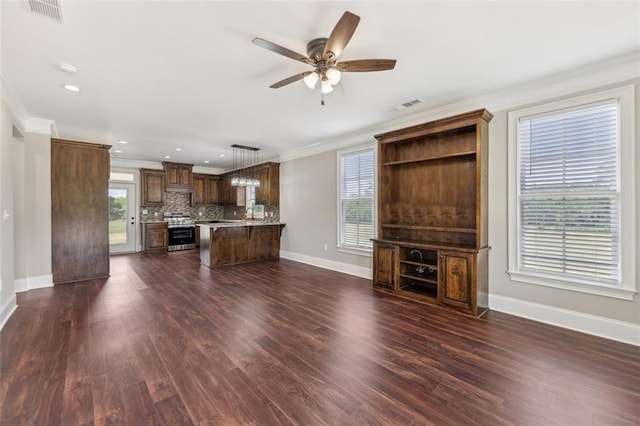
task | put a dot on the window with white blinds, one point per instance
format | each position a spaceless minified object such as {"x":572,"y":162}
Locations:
{"x":356,"y":192}
{"x":571,"y":213}
{"x":569,"y":199}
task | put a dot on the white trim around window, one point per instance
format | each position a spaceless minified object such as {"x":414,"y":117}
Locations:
{"x":359,"y":247}
{"x":624,"y":285}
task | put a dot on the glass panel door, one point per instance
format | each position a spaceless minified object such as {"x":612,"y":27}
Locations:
{"x":122,"y":218}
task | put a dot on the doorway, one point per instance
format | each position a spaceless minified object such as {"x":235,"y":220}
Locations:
{"x":122,"y":218}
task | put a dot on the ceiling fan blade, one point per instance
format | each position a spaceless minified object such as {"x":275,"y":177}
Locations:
{"x":340,"y":36}
{"x":290,"y":80}
{"x":365,"y":65}
{"x":281,"y":50}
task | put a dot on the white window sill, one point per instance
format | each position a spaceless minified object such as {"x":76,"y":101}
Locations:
{"x":615,"y":292}
{"x":358,"y":252}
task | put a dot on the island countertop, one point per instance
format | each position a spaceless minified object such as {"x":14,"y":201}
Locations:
{"x":235,"y":223}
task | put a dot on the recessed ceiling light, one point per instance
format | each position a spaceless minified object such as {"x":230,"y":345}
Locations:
{"x":206,"y":161}
{"x":117,"y":151}
{"x":221,"y":155}
{"x":123,"y":142}
{"x":69,"y":69}
{"x":167,"y":156}
{"x":71,"y":87}
{"x":178,"y":149}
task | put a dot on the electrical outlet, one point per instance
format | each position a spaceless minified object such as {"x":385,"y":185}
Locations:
{"x":325,"y":247}
{"x":155,"y":214}
{"x":199,"y":213}
{"x":145,"y":211}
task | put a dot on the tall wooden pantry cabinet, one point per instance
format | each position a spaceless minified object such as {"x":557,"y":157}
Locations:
{"x":79,"y":211}
{"x":432,"y":243}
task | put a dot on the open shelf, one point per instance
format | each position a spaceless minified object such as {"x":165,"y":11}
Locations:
{"x":433,"y":279}
{"x":421,"y":289}
{"x":430,"y":228}
{"x":429,"y":158}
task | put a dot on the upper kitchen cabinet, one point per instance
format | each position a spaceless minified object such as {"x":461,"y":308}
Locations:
{"x":178,"y":177}
{"x":205,"y":189}
{"x":152,"y":187}
{"x":227,"y":194}
{"x":79,"y":211}
{"x":269,"y":190}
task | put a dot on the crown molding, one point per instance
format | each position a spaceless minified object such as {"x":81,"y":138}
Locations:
{"x":127,"y":163}
{"x":617,"y":70}
{"x":24,"y":122}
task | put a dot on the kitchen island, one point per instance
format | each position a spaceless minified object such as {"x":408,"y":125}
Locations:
{"x":231,"y":242}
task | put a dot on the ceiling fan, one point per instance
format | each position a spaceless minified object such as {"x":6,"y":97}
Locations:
{"x":322,"y":55}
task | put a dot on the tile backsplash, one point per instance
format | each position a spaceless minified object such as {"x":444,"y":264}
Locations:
{"x":180,"y":202}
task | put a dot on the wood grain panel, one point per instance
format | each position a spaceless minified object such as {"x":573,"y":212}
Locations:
{"x":79,"y":210}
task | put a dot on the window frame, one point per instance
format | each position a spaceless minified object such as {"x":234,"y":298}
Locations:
{"x":627,"y":287}
{"x":373,"y":147}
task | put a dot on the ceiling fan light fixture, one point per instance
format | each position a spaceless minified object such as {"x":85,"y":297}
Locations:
{"x":326,"y":86}
{"x":333,"y":75}
{"x":311,"y":79}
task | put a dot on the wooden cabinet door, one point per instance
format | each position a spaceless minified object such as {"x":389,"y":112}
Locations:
{"x":384,"y":265}
{"x":198,"y":195}
{"x":155,"y":236}
{"x":185,"y":176}
{"x":269,"y":190}
{"x":178,"y":177}
{"x":79,"y":211}
{"x":152,"y":187}
{"x":455,"y":283}
{"x":226,"y":192}
{"x":171,"y":171}
{"x":211,"y":187}
{"x":262,"y":192}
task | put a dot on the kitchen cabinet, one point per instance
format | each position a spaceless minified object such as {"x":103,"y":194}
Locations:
{"x":79,"y":211}
{"x":154,"y":237}
{"x":211,"y":189}
{"x":268,"y":192}
{"x":152,"y":187}
{"x":178,"y":177}
{"x":205,"y":190}
{"x":225,"y":190}
{"x":432,"y":192}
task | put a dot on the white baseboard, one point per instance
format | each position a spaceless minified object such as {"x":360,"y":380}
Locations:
{"x":591,"y":324}
{"x":31,"y":283}
{"x":7,"y":309}
{"x":358,"y":271}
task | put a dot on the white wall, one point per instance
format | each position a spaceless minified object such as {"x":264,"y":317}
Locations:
{"x":7,"y":287}
{"x":308,"y":200}
{"x":25,"y":193}
{"x":308,"y":205}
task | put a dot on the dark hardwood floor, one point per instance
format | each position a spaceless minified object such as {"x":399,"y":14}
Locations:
{"x":165,"y":341}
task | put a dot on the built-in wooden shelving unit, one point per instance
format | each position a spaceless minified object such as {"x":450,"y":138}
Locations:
{"x":432,"y":235}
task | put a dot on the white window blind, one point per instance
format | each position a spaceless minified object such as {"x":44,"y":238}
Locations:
{"x":356,"y":199}
{"x":569,"y":197}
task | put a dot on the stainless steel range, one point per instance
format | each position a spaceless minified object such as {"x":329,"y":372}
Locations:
{"x":182,"y":231}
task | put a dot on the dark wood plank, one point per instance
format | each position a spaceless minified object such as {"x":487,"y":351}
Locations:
{"x":167,"y":341}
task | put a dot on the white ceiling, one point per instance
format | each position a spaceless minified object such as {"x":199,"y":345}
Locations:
{"x":174,"y":74}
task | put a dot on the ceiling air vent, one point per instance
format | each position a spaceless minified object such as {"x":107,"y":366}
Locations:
{"x":409,"y":104}
{"x":48,"y":8}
